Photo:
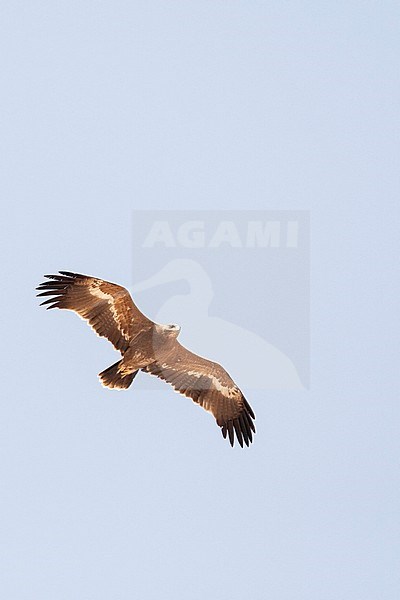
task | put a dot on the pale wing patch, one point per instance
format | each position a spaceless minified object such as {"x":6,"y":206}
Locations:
{"x":228,"y":391}
{"x":96,"y":291}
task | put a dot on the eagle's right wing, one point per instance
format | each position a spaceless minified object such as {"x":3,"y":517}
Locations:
{"x":108,"y":307}
{"x":210,"y":386}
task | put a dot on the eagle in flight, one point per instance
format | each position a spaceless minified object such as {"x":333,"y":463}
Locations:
{"x":152,"y":348}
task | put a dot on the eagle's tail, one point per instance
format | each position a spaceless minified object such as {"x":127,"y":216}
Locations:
{"x":113,"y":378}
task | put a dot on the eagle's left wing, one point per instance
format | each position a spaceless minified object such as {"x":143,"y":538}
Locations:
{"x":107,"y":307}
{"x":210,"y":386}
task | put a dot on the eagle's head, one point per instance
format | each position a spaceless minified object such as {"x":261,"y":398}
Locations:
{"x":171,"y":330}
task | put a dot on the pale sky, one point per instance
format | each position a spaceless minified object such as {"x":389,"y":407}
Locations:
{"x":111,"y":107}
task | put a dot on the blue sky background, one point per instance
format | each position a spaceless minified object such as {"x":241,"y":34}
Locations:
{"x":107,"y":107}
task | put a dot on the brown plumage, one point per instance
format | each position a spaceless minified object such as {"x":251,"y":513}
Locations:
{"x":152,"y":348}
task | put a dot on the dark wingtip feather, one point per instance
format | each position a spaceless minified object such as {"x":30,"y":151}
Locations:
{"x":248,"y":408}
{"x":50,"y":301}
{"x":250,"y":436}
{"x":62,"y":283}
{"x":51,"y":293}
{"x":55,"y":277}
{"x":73,"y":275}
{"x":231,"y":434}
{"x":248,"y":419}
{"x":238,"y":432}
{"x":244,"y":429}
{"x":252,"y":426}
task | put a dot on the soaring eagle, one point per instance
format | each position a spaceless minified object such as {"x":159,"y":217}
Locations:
{"x":152,"y":348}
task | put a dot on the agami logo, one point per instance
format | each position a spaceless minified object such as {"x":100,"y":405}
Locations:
{"x":199,"y":234}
